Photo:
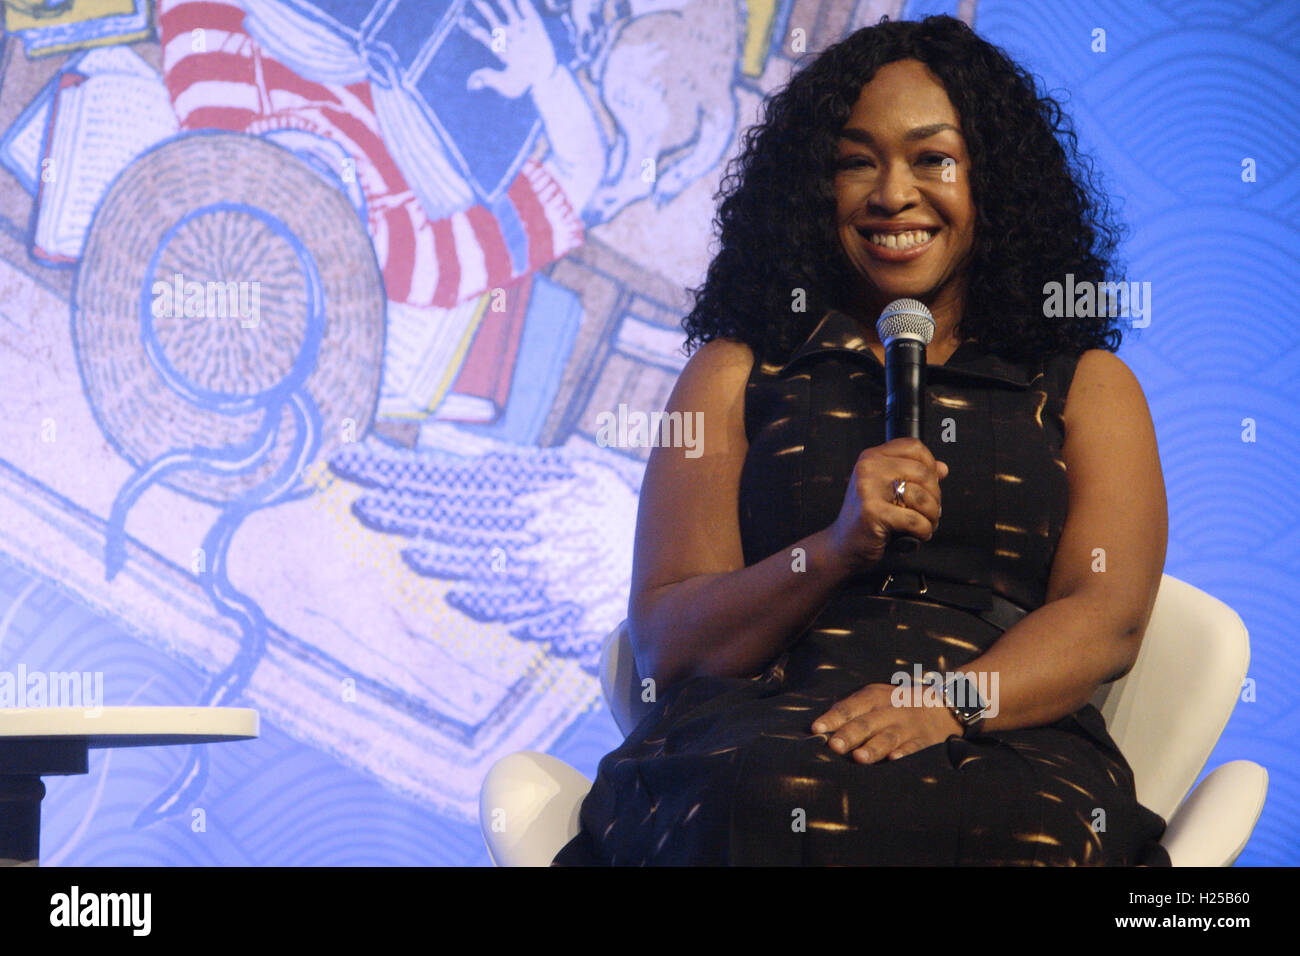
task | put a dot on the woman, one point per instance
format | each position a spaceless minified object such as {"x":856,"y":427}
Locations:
{"x":911,"y":159}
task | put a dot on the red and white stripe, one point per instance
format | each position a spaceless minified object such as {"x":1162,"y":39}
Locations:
{"x":232,"y":84}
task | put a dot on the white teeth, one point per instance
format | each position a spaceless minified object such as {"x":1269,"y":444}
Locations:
{"x":900,"y":240}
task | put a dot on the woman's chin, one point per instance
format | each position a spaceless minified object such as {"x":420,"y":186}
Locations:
{"x":887,"y":293}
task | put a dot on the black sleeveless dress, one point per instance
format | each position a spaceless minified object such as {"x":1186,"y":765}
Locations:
{"x":727,"y":771}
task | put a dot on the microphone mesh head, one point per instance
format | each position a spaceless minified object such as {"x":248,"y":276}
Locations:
{"x":907,"y":319}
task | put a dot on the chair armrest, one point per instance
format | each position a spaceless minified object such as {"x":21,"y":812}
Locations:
{"x":1214,"y":823}
{"x":528,"y":808}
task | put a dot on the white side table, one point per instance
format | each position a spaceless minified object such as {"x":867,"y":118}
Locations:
{"x":41,"y":741}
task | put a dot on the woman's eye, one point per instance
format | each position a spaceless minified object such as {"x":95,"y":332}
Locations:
{"x":854,"y":162}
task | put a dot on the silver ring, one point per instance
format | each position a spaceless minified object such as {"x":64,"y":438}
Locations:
{"x":900,"y":489}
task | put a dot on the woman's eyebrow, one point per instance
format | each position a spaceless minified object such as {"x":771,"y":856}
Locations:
{"x":918,"y":132}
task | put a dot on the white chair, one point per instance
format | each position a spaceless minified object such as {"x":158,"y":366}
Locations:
{"x":1165,"y":715}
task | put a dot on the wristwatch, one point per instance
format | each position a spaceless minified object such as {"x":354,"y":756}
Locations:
{"x":962,"y":697}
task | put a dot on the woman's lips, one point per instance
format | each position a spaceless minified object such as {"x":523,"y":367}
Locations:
{"x":885,"y":254}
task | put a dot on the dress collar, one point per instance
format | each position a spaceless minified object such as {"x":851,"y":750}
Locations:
{"x":837,"y":332}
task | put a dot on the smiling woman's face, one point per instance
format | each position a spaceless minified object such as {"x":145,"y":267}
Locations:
{"x":903,"y":168}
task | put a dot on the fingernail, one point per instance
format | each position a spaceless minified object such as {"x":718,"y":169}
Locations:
{"x":819,"y":728}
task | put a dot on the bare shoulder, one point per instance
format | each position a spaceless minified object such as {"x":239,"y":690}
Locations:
{"x":718,"y":362}
{"x":1117,"y":503}
{"x":1104,"y":386}
{"x":1110,"y":439}
{"x":713,"y":381}
{"x":687,"y":521}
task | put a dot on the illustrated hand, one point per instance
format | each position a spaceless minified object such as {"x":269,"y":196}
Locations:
{"x":538,"y":539}
{"x":522,"y":44}
{"x":869,"y":724}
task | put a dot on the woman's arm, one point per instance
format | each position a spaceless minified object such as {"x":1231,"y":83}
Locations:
{"x":1108,"y":562}
{"x":695,"y":609}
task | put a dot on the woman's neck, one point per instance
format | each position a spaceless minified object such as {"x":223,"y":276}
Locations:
{"x":943,"y":344}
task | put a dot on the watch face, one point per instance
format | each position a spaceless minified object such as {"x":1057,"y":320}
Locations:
{"x":962,"y":694}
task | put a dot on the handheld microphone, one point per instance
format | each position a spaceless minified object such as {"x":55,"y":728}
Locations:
{"x":905,"y":328}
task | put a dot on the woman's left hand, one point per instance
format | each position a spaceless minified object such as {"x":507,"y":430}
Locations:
{"x":872,"y":726}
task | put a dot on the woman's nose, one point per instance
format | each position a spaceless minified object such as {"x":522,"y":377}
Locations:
{"x":894,"y":189}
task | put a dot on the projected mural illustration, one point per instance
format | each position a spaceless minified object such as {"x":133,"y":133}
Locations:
{"x":310,"y":310}
{"x":339,"y":416}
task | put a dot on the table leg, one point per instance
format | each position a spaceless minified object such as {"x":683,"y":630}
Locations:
{"x":20,"y":819}
{"x":22,"y":764}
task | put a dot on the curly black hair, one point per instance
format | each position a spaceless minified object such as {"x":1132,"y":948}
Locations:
{"x":1040,"y":212}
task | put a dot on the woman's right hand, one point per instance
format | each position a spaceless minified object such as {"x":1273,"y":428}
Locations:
{"x":869,"y":517}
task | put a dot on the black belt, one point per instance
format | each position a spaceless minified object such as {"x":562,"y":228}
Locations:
{"x":981,"y":601}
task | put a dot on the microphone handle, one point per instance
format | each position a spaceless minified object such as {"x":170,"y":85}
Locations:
{"x":904,"y":407}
